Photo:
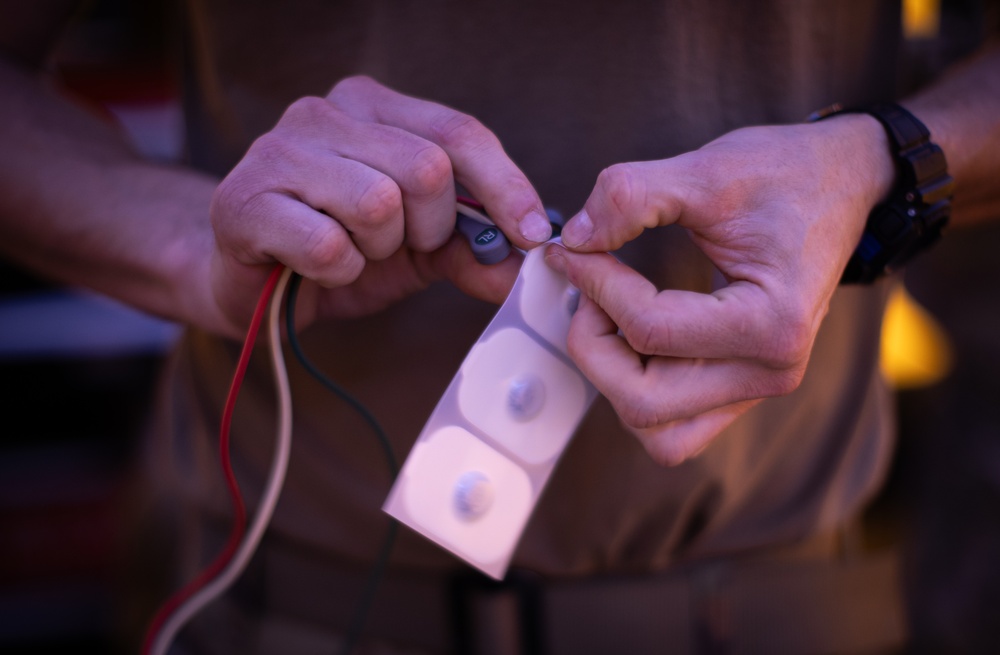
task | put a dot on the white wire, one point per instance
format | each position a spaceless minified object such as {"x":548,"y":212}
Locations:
{"x":272,"y":490}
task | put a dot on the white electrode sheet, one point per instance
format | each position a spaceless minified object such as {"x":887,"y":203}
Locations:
{"x":481,"y":462}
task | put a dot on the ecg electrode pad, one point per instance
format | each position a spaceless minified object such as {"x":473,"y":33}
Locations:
{"x":478,"y":467}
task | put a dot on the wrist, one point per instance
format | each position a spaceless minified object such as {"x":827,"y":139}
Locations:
{"x":866,"y":155}
{"x":911,"y":216}
{"x":185,"y":255}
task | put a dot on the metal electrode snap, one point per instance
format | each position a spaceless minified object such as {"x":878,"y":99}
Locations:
{"x":525,"y":397}
{"x":473,"y":495}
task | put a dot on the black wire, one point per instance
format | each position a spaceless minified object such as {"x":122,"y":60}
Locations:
{"x":382,"y":561}
{"x":293,"y":290}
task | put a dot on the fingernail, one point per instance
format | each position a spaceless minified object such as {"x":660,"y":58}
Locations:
{"x":555,"y":259}
{"x":578,"y":230}
{"x":535,"y":227}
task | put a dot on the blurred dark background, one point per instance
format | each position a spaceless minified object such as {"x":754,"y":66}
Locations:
{"x":946,"y":489}
{"x":78,"y":374}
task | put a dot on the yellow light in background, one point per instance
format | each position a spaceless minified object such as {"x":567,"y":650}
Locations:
{"x":916,"y":352}
{"x":921,"y":18}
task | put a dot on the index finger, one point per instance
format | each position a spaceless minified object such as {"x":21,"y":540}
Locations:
{"x":478,"y":159}
{"x":733,"y":322}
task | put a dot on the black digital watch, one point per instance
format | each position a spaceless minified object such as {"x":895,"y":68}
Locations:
{"x":918,"y":206}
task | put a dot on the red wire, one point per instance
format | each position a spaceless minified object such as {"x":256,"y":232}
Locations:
{"x":471,"y":202}
{"x":239,"y":509}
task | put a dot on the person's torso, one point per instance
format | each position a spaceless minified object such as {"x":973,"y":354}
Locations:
{"x":570,"y":88}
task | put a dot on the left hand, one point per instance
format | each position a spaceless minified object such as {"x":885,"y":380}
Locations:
{"x":778,"y":210}
{"x":356,"y":192}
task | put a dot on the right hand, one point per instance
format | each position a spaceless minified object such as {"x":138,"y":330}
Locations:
{"x":778,"y":210}
{"x":356,"y":192}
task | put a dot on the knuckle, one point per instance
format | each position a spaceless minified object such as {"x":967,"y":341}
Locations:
{"x":351,"y":85}
{"x":621,"y":186}
{"x":430,"y":171}
{"x":519,"y":196}
{"x":452,"y":129}
{"x":637,"y":411}
{"x":308,"y":111}
{"x":329,"y":250}
{"x":275,"y":160}
{"x":642,"y":331}
{"x":380,"y":201}
{"x":792,"y":343}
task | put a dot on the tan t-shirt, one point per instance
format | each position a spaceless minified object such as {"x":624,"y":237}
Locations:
{"x":570,"y":88}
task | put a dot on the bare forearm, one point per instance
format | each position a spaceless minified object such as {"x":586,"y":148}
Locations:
{"x":78,"y":206}
{"x":962,"y":111}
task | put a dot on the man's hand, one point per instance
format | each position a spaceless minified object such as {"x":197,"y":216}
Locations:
{"x":778,"y":210}
{"x":356,"y":191}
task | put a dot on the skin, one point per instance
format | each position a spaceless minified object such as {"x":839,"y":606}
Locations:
{"x":152,"y":235}
{"x":397,"y":160}
{"x":778,"y":209}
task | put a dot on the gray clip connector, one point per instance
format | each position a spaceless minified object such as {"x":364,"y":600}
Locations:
{"x":488,"y":243}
